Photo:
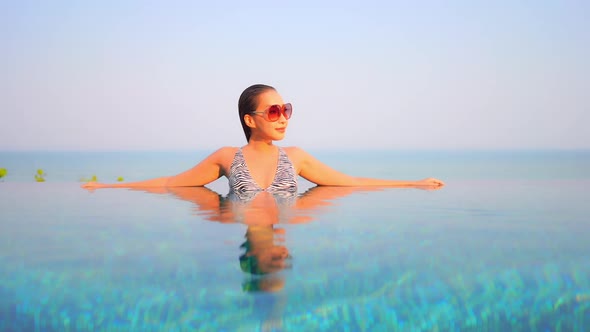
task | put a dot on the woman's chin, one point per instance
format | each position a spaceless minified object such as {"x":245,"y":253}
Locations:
{"x":278,"y":137}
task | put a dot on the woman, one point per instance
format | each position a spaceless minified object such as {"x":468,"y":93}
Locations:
{"x":260,"y":165}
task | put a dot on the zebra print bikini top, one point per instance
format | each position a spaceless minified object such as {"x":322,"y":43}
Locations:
{"x":240,"y":180}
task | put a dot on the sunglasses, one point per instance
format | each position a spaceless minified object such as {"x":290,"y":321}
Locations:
{"x":273,"y":113}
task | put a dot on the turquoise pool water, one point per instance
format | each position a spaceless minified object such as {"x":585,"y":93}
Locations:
{"x":504,"y":246}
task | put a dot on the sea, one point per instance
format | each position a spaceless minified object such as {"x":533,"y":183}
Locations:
{"x":503,"y":246}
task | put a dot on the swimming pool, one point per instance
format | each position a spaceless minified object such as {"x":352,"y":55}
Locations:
{"x":501,"y":252}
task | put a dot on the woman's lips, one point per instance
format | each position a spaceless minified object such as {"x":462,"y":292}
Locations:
{"x":282,"y":130}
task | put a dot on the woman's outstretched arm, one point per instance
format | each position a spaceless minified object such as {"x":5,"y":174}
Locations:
{"x":321,"y":174}
{"x":208,"y":170}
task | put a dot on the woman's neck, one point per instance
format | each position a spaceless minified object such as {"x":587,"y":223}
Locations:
{"x":261,"y":145}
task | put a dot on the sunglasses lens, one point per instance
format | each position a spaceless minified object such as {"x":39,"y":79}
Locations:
{"x":274,"y":113}
{"x":287,"y":111}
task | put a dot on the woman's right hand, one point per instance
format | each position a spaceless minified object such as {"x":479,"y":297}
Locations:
{"x":93,"y":185}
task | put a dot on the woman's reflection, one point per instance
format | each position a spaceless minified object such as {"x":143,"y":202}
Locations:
{"x":264,"y":254}
{"x":264,"y":251}
{"x":263,"y":213}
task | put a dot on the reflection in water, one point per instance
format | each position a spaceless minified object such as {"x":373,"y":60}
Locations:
{"x":264,"y":254}
{"x":264,"y":257}
{"x":263,"y":213}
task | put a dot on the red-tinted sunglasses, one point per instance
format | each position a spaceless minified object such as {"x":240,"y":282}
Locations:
{"x":273,"y":113}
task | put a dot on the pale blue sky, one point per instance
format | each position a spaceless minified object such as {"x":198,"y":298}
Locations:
{"x":415,"y":75}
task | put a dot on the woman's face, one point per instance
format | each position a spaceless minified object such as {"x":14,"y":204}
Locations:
{"x":261,"y":127}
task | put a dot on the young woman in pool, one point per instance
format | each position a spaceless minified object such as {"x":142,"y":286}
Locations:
{"x":260,"y":165}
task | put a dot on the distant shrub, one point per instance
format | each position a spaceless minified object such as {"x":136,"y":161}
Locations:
{"x":40,"y":176}
{"x":120,"y":179}
{"x":3,"y":172}
{"x":92,"y":179}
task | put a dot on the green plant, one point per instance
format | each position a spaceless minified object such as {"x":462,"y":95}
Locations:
{"x":40,"y":176}
{"x":92,"y":179}
{"x":120,"y":179}
{"x":3,"y":172}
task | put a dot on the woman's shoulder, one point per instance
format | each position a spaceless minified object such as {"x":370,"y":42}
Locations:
{"x":224,"y":156}
{"x":295,"y":153}
{"x":225,"y":153}
{"x":227,"y":150}
{"x":292,"y":149}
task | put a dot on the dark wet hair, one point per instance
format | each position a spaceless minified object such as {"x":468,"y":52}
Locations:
{"x":248,"y":103}
{"x":249,"y":263}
